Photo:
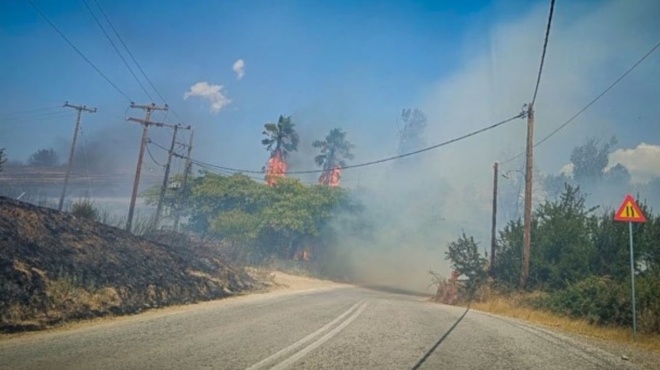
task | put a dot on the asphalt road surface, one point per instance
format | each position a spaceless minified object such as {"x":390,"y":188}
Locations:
{"x":342,"y":328}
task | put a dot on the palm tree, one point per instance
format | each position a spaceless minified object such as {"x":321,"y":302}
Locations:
{"x":281,"y":137}
{"x":335,"y":150}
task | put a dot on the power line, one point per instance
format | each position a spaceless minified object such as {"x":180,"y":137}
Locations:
{"x":78,"y":51}
{"x":151,"y":155}
{"x":473,"y":133}
{"x":545,"y":47}
{"x":594,"y":100}
{"x":130,"y":54}
{"x":116,"y":49}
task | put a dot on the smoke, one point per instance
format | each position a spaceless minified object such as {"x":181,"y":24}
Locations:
{"x":643,"y":161}
{"x":413,"y":211}
{"x":212,"y":93}
{"x":239,"y":68}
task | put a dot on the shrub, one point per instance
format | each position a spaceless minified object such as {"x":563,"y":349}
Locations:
{"x":84,"y":208}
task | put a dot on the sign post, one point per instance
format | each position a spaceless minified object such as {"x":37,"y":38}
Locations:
{"x":629,"y":212}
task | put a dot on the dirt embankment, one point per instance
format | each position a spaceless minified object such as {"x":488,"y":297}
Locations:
{"x":55,"y":267}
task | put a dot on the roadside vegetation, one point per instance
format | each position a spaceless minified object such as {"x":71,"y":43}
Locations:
{"x":579,"y":274}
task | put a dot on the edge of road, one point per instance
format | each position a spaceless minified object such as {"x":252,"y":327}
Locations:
{"x":593,"y":346}
{"x":282,"y":284}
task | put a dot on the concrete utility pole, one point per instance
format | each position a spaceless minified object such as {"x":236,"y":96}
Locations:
{"x":146,"y":122}
{"x":79,"y":109}
{"x":529,"y":167}
{"x":493,"y":232}
{"x":186,"y":170}
{"x":166,"y":177}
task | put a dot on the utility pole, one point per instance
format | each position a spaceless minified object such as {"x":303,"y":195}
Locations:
{"x":186,"y":170}
{"x":493,"y":236}
{"x":529,"y":167}
{"x":146,"y":122}
{"x":166,"y":177}
{"x":79,"y":109}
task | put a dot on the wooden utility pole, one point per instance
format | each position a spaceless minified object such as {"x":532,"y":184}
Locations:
{"x":529,"y":167}
{"x":493,"y":232}
{"x":166,"y":177}
{"x":186,"y":170}
{"x":79,"y":109}
{"x":146,"y":122}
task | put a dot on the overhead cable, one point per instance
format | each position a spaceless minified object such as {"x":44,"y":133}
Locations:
{"x":130,"y":54}
{"x":545,"y":47}
{"x":116,"y":49}
{"x":78,"y":51}
{"x":463,"y":137}
{"x":594,"y":100}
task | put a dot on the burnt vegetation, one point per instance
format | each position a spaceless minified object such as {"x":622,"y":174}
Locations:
{"x":57,"y":267}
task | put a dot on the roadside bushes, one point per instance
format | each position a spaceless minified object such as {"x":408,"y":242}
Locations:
{"x":604,"y":301}
{"x":580,"y":262}
{"x":599,"y":299}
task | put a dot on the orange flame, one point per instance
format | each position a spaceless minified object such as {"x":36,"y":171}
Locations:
{"x":331,"y":178}
{"x":275,"y":168}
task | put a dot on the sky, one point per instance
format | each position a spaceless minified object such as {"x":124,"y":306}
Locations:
{"x":229,"y":67}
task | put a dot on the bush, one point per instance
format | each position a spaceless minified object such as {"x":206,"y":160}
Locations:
{"x":604,"y":301}
{"x":600,"y":300}
{"x":84,"y":208}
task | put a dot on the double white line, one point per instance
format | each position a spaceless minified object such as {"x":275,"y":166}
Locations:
{"x":354,"y":312}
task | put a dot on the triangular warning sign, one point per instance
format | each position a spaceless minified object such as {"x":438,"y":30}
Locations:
{"x":629,"y":211}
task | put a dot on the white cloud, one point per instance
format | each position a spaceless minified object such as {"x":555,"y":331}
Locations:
{"x":239,"y":68}
{"x":212,"y":93}
{"x":643,"y":162}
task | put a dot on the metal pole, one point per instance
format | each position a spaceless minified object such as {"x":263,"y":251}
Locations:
{"x":166,"y":177}
{"x":68,"y":168}
{"x":632,"y":279}
{"x":529,"y":167}
{"x":493,"y":233}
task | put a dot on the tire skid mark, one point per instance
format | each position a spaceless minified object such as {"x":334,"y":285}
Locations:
{"x":444,"y":336}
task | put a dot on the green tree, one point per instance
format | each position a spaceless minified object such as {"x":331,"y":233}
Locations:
{"x":590,"y":160}
{"x":213,"y":194}
{"x":335,"y":150}
{"x":44,"y":158}
{"x":281,"y":136}
{"x":175,"y":194}
{"x":508,"y":258}
{"x":466,"y":260}
{"x":562,"y":252}
{"x":411,"y":136}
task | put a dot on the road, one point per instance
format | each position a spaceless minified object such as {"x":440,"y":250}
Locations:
{"x":339,"y":328}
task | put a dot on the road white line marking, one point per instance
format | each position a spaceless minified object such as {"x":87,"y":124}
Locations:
{"x":305,"y":339}
{"x":298,"y":355}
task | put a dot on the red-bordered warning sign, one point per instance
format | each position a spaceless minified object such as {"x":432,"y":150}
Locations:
{"x":629,"y":211}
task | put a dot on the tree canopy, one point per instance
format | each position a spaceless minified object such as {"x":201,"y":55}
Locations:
{"x":281,"y":136}
{"x":335,"y":150}
{"x":44,"y":158}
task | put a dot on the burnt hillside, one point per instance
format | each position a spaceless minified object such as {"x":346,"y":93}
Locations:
{"x":56,"y":267}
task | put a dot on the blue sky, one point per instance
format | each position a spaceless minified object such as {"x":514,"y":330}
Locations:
{"x":352,"y":64}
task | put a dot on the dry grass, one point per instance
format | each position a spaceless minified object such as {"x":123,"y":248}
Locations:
{"x":506,"y":306}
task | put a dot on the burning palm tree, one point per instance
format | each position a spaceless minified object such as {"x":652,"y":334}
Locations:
{"x":281,"y":138}
{"x":335,"y":150}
